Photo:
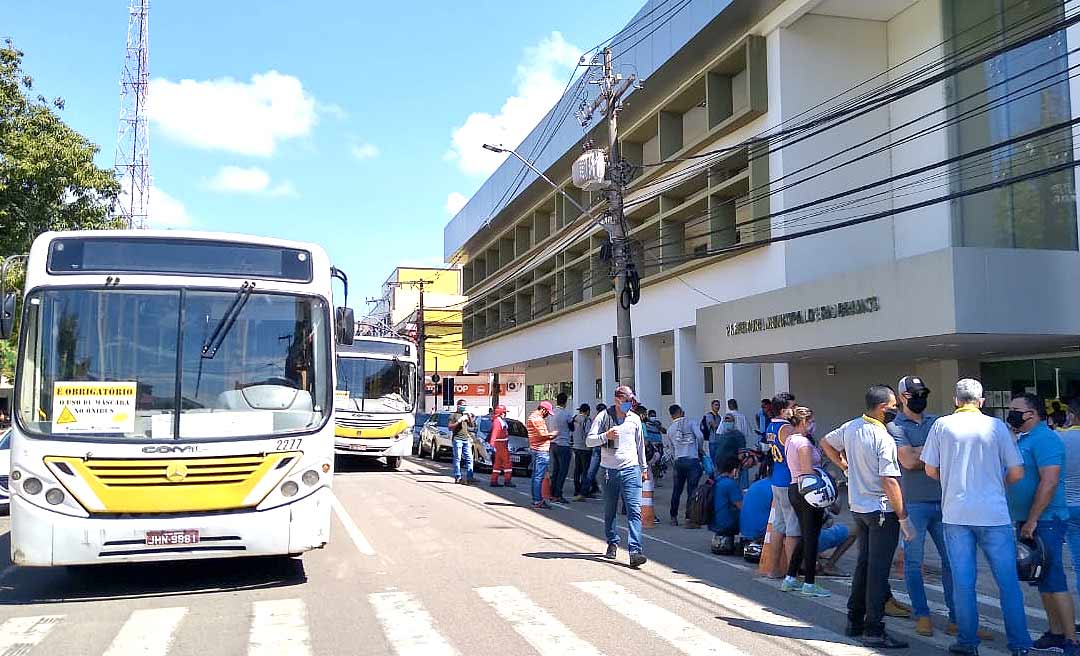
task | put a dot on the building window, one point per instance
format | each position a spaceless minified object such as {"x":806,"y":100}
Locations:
{"x":708,"y":380}
{"x":666,"y":384}
{"x":1027,"y":89}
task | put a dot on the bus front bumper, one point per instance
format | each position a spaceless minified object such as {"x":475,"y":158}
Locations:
{"x":374,"y":447}
{"x":40,"y":538}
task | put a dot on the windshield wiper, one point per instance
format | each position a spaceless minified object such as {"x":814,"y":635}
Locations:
{"x":221,"y":331}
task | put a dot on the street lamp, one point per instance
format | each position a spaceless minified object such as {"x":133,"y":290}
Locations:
{"x":527,"y":163}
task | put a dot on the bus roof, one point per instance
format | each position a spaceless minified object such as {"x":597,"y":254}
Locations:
{"x":379,"y":347}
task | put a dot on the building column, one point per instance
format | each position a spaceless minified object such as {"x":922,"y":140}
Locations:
{"x":607,"y":371}
{"x":584,"y":376}
{"x":775,"y":379}
{"x":688,"y":373}
{"x":647,"y":370}
{"x":742,"y":382}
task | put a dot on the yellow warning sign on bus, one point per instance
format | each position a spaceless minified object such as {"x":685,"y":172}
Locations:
{"x":93,"y":407}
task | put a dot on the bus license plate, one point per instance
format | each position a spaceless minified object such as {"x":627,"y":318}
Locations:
{"x":166,"y":538}
{"x":356,"y":447}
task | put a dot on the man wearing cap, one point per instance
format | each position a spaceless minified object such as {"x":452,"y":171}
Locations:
{"x":622,"y":458}
{"x":582,"y":452}
{"x":539,"y":443}
{"x":500,"y":441}
{"x":462,"y":426}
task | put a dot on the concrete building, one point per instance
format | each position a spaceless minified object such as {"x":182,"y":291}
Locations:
{"x":733,"y":306}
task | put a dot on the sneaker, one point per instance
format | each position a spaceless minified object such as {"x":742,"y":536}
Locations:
{"x":968,"y":650}
{"x":1050,"y":640}
{"x":612,"y":552}
{"x":814,"y":590}
{"x":790,"y":584}
{"x":853,"y":630}
{"x":924,"y":626}
{"x":883,"y":641}
{"x":985,"y":635}
{"x":457,"y":481}
{"x":543,"y":505}
{"x":637,"y":559}
{"x":579,"y":498}
{"x":894,"y":608}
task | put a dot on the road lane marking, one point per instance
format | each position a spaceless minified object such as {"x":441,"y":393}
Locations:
{"x":539,"y":628}
{"x":279,"y":628}
{"x":663,"y":623}
{"x":827,"y":642}
{"x":147,"y":632}
{"x":19,"y":635}
{"x":408,"y":627}
{"x":362,"y":544}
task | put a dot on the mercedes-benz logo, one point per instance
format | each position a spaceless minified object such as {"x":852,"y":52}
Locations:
{"x":176,"y":472}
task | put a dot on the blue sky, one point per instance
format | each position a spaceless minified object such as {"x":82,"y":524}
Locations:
{"x":353,"y":125}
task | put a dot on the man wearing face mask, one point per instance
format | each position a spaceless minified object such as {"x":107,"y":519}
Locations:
{"x":1037,"y":505}
{"x":864,"y":449}
{"x":622,"y":459}
{"x":461,"y":426}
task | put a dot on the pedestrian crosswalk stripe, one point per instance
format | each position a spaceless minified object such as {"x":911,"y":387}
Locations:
{"x":824,"y":640}
{"x":279,"y":628}
{"x":679,"y":633}
{"x":19,"y":635}
{"x":147,"y":632}
{"x":538,"y":627}
{"x":409,"y":628}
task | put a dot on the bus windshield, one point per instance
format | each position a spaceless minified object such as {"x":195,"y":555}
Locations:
{"x":115,"y":362}
{"x":376,"y":385}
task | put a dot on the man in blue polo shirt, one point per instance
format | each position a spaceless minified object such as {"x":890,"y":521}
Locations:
{"x":1037,"y":504}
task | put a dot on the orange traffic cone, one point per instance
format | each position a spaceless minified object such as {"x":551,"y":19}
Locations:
{"x":545,"y":488}
{"x":768,"y":550}
{"x":648,"y":515}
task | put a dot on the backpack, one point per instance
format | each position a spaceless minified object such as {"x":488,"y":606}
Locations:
{"x":699,"y":510}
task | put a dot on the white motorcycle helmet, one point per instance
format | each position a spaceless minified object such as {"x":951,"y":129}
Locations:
{"x":818,"y":488}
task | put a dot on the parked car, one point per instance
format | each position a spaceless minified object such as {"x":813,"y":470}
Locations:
{"x":520,"y":456}
{"x":435,"y":436}
{"x":418,"y":429}
{"x":5,"y":468}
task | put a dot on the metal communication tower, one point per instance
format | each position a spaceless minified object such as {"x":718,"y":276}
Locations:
{"x":132,"y":162}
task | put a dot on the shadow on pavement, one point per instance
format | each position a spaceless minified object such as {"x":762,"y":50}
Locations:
{"x":780,"y":630}
{"x":575,"y":555}
{"x":345,"y":464}
{"x":34,"y":585}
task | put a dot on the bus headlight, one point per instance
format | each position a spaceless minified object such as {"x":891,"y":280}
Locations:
{"x":310,"y":477}
{"x":32,"y":486}
{"x":54,"y":496}
{"x":289,"y":489}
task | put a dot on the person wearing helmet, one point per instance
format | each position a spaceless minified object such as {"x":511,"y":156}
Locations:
{"x":540,"y":444}
{"x":804,"y":461}
{"x":500,"y":441}
{"x":622,"y":458}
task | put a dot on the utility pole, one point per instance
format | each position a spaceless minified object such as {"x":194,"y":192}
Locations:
{"x":612,"y":88}
{"x":421,"y":334}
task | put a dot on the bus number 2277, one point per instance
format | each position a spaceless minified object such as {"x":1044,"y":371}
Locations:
{"x":288,"y":445}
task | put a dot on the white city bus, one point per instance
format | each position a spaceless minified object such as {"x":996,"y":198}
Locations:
{"x":375,"y":399}
{"x":173,"y":400}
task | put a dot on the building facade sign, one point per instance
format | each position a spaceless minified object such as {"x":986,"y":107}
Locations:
{"x":810,"y":315}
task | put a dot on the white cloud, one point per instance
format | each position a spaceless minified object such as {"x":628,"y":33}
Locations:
{"x":454,"y":202}
{"x":166,"y":211}
{"x":365,"y":151}
{"x":250,"y":118}
{"x":250,"y":180}
{"x":540,"y":77}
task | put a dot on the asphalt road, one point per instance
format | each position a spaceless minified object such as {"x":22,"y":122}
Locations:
{"x":420,"y":566}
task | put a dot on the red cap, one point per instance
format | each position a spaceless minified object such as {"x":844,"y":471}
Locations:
{"x":500,"y":410}
{"x":546,"y":405}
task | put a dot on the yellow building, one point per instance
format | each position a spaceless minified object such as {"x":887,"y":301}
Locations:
{"x":443,"y":303}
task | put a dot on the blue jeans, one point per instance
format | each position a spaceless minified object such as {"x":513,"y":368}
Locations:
{"x":594,"y":469}
{"x":998,"y":544}
{"x":926,"y":518}
{"x":560,"y":468}
{"x":1052,"y":532}
{"x":625,"y":482}
{"x":540,"y":461}
{"x":1072,"y":535}
{"x":463,"y":451}
{"x":688,"y":473}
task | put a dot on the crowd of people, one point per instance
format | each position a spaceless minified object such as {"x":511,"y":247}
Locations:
{"x":969,"y":481}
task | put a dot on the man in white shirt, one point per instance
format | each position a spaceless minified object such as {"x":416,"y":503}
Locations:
{"x":622,"y":458}
{"x":742,"y":424}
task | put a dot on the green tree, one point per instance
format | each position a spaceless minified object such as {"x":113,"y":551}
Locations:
{"x":48,"y":179}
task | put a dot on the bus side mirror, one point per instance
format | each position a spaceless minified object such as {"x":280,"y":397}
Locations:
{"x":345,"y":325}
{"x":7,"y":315}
